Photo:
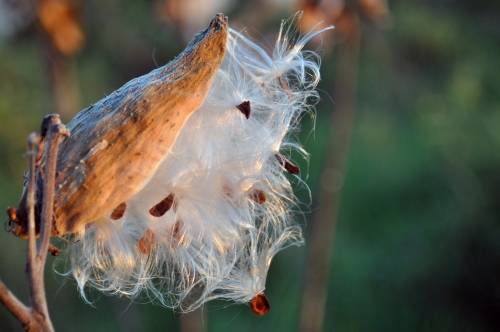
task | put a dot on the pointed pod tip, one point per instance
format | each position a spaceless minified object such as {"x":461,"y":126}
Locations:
{"x":260,"y":304}
{"x":218,"y":20}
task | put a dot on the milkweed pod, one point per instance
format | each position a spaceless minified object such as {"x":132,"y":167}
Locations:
{"x":219,"y":206}
{"x":138,"y":125}
{"x":185,"y":216}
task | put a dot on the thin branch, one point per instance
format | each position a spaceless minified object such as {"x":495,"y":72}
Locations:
{"x":54,"y":135}
{"x":36,"y":264}
{"x":33,"y":141}
{"x":16,"y":307}
{"x":36,"y":318}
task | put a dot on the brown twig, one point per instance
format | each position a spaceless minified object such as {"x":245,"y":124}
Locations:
{"x":37,"y":317}
{"x":325,"y":218}
{"x":36,"y":262}
{"x":33,"y":141}
{"x":33,"y":271}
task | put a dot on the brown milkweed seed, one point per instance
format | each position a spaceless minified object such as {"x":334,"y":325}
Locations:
{"x":257,"y":195}
{"x":260,"y":304}
{"x":177,"y":229}
{"x":119,"y":211}
{"x":287,"y":164}
{"x":146,"y":241}
{"x":161,"y":208}
{"x":245,"y":108}
{"x":285,"y":87}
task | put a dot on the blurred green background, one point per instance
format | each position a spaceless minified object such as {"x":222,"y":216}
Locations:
{"x":417,"y":244}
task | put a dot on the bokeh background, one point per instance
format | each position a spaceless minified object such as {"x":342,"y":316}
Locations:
{"x":404,"y":173}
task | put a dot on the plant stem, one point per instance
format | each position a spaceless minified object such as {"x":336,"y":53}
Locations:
{"x":37,"y":317}
{"x":36,"y":262}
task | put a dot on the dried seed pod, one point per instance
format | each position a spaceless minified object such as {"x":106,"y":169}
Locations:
{"x":216,"y":239}
{"x":137,"y":125}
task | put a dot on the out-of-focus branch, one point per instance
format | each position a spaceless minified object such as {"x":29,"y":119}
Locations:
{"x":60,"y":37}
{"x":325,"y":218}
{"x":62,"y":80}
{"x":193,"y":321}
{"x":16,"y":307}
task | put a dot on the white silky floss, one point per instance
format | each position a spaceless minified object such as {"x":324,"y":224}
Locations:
{"x":223,"y":205}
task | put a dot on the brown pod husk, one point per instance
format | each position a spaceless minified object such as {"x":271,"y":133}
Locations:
{"x":117,"y":143}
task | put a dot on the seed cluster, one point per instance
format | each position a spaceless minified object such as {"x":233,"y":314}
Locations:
{"x":219,"y":207}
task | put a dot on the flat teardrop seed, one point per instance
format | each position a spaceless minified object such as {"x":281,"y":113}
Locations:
{"x":103,"y":248}
{"x":119,"y":211}
{"x":177,"y":229}
{"x":260,"y":305}
{"x":227,"y":191}
{"x":161,"y":208}
{"x":257,"y":195}
{"x":146,"y":241}
{"x":287,"y":164}
{"x":245,"y":108}
{"x":285,"y":87}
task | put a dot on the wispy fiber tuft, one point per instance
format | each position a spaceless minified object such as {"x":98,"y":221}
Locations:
{"x":218,"y":208}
